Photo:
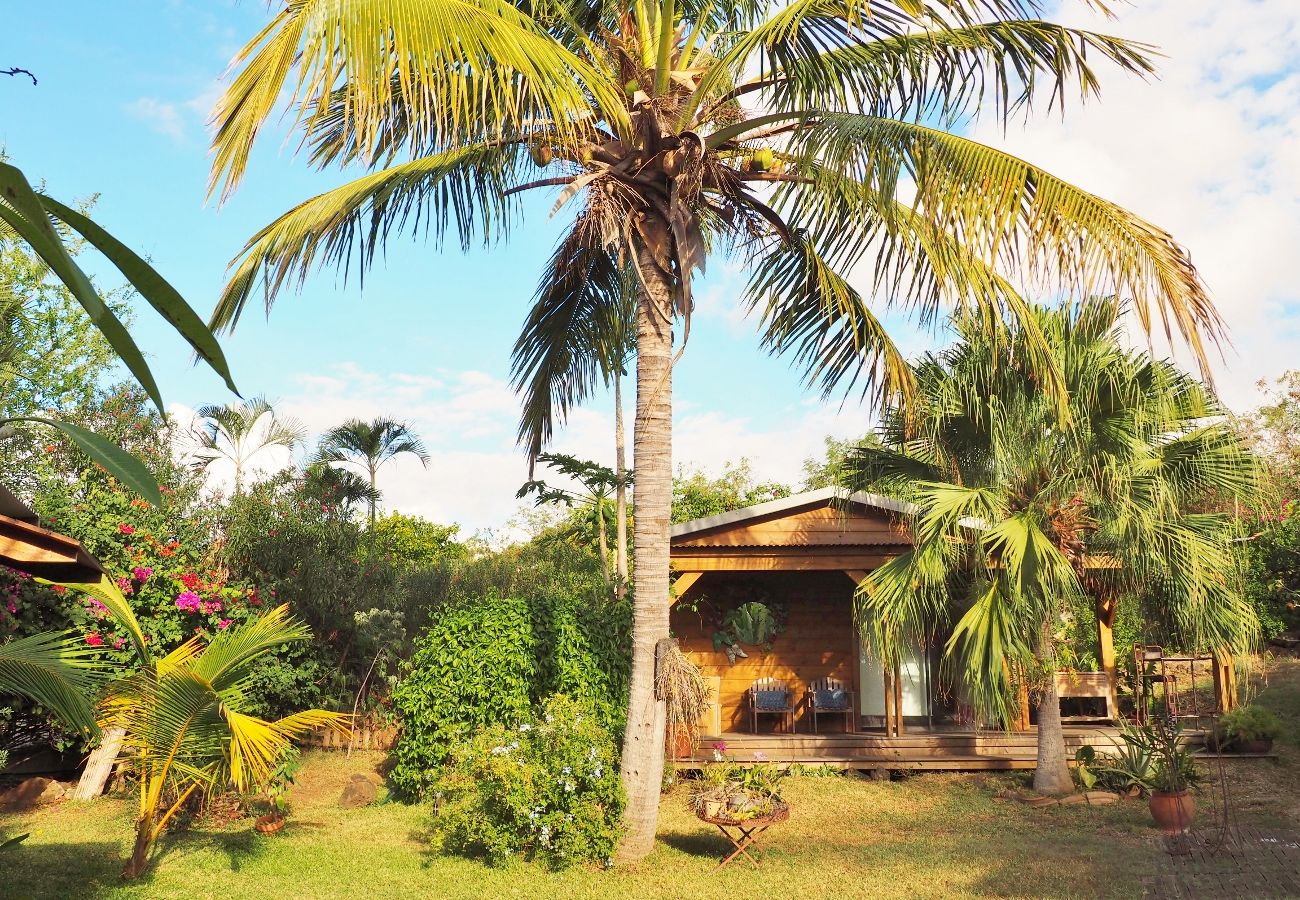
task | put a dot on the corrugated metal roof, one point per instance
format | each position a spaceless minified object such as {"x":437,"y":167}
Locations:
{"x":788,"y":504}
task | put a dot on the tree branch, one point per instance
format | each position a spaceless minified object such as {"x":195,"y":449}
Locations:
{"x":17,"y":71}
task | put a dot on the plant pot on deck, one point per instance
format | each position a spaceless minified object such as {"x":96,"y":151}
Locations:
{"x":1173,"y":812}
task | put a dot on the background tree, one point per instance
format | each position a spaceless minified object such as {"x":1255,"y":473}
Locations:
{"x":237,"y":432}
{"x":829,"y":470}
{"x":581,"y":330}
{"x":598,"y":484}
{"x":1020,"y":507}
{"x":370,"y":445}
{"x":637,"y":112}
{"x":696,"y":495}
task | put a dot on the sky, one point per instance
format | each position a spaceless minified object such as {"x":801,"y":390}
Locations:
{"x":1208,"y":151}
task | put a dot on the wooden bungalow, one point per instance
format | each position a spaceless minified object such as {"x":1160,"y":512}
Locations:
{"x":27,"y":547}
{"x":804,"y":556}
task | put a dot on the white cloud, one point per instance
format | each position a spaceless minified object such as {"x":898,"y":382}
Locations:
{"x":468,"y":422}
{"x":176,"y":118}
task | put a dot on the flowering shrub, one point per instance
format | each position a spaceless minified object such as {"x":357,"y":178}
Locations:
{"x":545,"y":788}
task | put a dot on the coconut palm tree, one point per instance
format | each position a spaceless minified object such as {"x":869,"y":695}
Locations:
{"x":237,"y":432}
{"x":370,"y":445}
{"x":1019,"y":506}
{"x":806,"y":139}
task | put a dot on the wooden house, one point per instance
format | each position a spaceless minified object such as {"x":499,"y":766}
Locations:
{"x":804,"y":556}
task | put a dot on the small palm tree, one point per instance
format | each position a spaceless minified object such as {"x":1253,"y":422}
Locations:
{"x":1019,"y":507}
{"x":370,"y":445}
{"x":185,"y":720}
{"x":239,"y":431}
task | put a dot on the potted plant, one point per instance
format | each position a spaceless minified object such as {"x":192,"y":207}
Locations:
{"x":732,"y":792}
{"x":274,"y":793}
{"x":1247,"y":729}
{"x":1173,"y":775}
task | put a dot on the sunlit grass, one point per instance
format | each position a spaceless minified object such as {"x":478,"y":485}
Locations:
{"x":934,"y":835}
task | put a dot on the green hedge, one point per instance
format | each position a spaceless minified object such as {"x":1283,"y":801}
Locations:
{"x":488,"y":660}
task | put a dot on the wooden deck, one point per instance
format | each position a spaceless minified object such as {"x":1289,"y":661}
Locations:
{"x":918,"y":749}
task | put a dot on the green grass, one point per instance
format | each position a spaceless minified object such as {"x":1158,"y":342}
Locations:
{"x":930,"y":836}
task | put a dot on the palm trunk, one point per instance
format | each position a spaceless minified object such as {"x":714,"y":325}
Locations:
{"x":602,"y":544}
{"x":139,"y":859}
{"x":643,"y":743}
{"x":372,"y":497}
{"x":100,"y":765}
{"x":1052,"y":775}
{"x":620,"y":492}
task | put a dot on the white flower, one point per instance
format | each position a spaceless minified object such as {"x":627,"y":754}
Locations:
{"x":525,"y":727}
{"x":568,"y":771}
{"x":598,"y":771}
{"x":497,"y":751}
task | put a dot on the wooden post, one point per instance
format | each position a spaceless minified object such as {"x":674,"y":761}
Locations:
{"x":898,"y":702}
{"x":1106,"y":609}
{"x":889,"y":702}
{"x":1225,"y":681}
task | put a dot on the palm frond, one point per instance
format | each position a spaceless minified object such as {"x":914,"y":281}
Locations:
{"x":55,"y":669}
{"x":463,"y":189}
{"x":347,"y":54}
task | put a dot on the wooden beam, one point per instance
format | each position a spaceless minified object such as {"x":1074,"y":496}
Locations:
{"x":683,"y":584}
{"x":858,"y":575}
{"x":803,"y":562}
{"x":1106,"y":609}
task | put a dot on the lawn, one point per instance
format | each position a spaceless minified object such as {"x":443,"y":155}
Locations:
{"x":934,"y":835}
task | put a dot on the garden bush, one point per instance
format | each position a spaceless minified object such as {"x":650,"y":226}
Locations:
{"x":487,"y":660}
{"x":545,"y":787}
{"x":475,"y":667}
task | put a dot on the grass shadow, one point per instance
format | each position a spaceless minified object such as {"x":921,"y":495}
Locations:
{"x":42,"y":870}
{"x":705,"y":844}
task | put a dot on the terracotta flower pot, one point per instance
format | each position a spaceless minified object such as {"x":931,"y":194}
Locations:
{"x":269,"y":823}
{"x":1173,"y":812}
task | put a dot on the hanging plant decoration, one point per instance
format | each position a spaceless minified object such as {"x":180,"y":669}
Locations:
{"x":754,"y":623}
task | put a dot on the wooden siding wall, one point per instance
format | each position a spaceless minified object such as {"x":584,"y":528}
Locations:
{"x":818,"y":639}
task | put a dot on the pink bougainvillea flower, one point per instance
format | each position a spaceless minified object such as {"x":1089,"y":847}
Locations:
{"x":142,"y":573}
{"x":126,"y":529}
{"x":224,"y":624}
{"x":188,"y":601}
{"x":124,"y":585}
{"x":720,"y":746}
{"x":94,"y":640}
{"x":119,"y":643}
{"x":12,"y":607}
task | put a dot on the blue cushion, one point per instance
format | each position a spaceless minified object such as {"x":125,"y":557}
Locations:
{"x":772,"y":699}
{"x":831,"y":698}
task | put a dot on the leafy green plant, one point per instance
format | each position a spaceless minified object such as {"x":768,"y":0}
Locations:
{"x":754,"y":623}
{"x":547,"y":788}
{"x":487,"y":660}
{"x":735,"y":790}
{"x":1249,"y":723}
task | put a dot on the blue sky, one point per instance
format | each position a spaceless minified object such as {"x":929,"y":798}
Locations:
{"x":125,"y":89}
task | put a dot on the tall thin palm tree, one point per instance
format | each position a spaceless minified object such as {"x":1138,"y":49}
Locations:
{"x":805,"y":139}
{"x":237,"y":432}
{"x":370,"y":445}
{"x":1019,"y":507}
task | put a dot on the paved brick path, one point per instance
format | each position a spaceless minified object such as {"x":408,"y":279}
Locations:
{"x":1244,"y":862}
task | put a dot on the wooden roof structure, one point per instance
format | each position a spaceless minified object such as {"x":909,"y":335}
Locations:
{"x":822,"y":530}
{"x":27,"y":547}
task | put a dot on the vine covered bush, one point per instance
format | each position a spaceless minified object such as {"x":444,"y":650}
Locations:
{"x":545,"y":787}
{"x":488,"y":660}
